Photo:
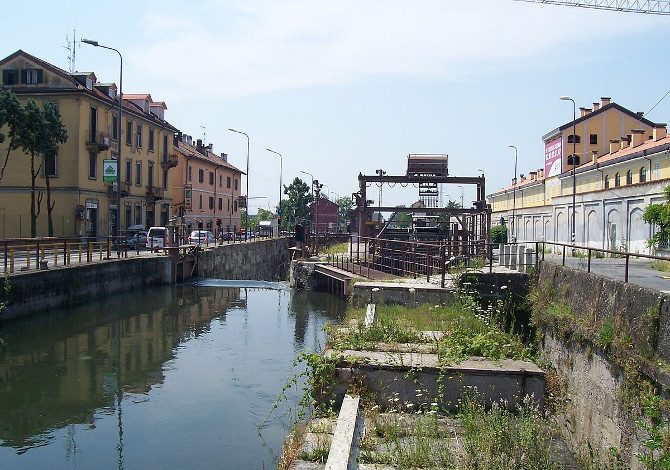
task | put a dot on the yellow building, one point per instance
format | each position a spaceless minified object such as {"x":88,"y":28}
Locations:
{"x":86,"y":205}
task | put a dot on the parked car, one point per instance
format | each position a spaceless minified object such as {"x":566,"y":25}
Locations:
{"x":157,"y":238}
{"x":136,"y":240}
{"x":202,"y":237}
{"x":228,"y":236}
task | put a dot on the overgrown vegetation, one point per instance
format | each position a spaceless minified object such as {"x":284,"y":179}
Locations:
{"x":659,"y":215}
{"x":4,"y":294}
{"x":338,"y":248}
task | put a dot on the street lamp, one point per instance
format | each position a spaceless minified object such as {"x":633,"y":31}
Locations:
{"x":117,"y":231}
{"x":312,"y":180}
{"x":246,"y":217}
{"x":482,"y":171}
{"x":460,"y":186}
{"x":513,"y":223}
{"x":574,"y":156}
{"x":281,"y":164}
{"x":327,"y":188}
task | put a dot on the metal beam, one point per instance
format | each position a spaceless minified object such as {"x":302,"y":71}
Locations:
{"x":427,"y":210}
{"x":650,"y":7}
{"x":421,"y":179}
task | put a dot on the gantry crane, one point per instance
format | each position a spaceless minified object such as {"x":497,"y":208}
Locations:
{"x":650,"y":7}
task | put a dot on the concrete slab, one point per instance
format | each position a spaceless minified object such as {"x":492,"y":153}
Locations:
{"x":341,"y":456}
{"x":370,"y":315}
{"x":304,"y":465}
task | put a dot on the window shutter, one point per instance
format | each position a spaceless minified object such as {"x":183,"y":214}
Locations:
{"x":24,"y":76}
{"x":40,"y":75}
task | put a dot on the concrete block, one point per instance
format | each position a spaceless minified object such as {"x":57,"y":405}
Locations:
{"x":370,"y":315}
{"x":341,"y":455}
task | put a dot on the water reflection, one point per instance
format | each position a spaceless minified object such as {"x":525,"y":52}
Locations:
{"x":73,"y":381}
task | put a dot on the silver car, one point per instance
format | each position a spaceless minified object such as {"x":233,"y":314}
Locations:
{"x":202,"y":237}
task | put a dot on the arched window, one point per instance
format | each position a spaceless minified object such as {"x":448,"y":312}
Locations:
{"x":643,"y":175}
{"x":617,"y":179}
{"x":629,"y":177}
{"x":607,"y":181}
{"x":574,"y":139}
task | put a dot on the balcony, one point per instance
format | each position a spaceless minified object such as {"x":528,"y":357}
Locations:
{"x":169,"y":161}
{"x":111,"y":190}
{"x":155,"y":193}
{"x":98,"y":140}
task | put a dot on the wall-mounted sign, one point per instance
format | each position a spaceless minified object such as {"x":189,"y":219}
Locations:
{"x":553,"y":157}
{"x":109,"y":171}
{"x":188,"y":194}
{"x":242,"y":202}
{"x":91,"y":205}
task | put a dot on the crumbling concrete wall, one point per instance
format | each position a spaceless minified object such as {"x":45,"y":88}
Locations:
{"x":267,"y":260}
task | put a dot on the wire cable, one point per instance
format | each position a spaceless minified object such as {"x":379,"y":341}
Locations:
{"x":652,"y":108}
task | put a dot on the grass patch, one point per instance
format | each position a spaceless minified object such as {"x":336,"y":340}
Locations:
{"x":338,"y":248}
{"x":606,"y":334}
{"x":660,"y":265}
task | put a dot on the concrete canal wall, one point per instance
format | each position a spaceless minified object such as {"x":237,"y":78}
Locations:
{"x":36,"y":291}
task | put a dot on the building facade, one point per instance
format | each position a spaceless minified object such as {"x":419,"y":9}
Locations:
{"x":614,"y":182}
{"x":206,"y":188}
{"x":85,"y":204}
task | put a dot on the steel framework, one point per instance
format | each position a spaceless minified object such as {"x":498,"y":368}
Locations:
{"x":651,"y":7}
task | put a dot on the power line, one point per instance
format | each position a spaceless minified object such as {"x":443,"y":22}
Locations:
{"x":652,"y":108}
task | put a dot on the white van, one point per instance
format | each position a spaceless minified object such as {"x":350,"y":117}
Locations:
{"x":157,"y":237}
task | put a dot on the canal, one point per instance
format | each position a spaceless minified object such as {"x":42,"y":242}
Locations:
{"x":170,"y":377}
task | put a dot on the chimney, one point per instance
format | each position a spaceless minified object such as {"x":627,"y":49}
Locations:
{"x":604,"y":101}
{"x":532,"y":175}
{"x":513,"y":181}
{"x":660,"y":131}
{"x":637,"y":137}
{"x":640,"y":113}
{"x":596,"y":106}
{"x":198,"y":145}
{"x":614,"y":145}
{"x":224,"y":157}
{"x":584,"y":111}
{"x":540,"y":173}
{"x":189,"y":140}
{"x":594,"y":156}
{"x":625,"y":140}
{"x":523,"y":178}
{"x":210,"y":147}
{"x":177,"y":138}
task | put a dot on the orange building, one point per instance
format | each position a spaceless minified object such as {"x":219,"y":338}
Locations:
{"x":206,"y":189}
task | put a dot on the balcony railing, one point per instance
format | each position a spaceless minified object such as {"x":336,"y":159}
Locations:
{"x":98,"y":140}
{"x":111,"y":189}
{"x":155,"y":192}
{"x":169,"y":161}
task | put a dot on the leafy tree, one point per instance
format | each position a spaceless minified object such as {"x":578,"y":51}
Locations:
{"x":346,"y":207}
{"x":53,"y":133}
{"x":264,"y":214}
{"x":659,"y":214}
{"x":11,"y":115}
{"x":403,"y":219}
{"x":297,"y":203}
{"x":499,"y":234}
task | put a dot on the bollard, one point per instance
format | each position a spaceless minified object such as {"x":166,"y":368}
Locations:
{"x":11,"y":260}
{"x":529,"y":259}
{"x":513,"y":256}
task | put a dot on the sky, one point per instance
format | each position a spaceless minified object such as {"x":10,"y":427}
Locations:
{"x":350,"y":86}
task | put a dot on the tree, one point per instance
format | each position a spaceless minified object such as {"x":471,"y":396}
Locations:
{"x":499,"y":234}
{"x":264,"y":214}
{"x":11,"y":115}
{"x":659,"y":214}
{"x":297,"y":203}
{"x":403,"y":219}
{"x":346,"y":205}
{"x":53,"y":133}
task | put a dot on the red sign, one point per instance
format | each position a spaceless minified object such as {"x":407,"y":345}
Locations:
{"x":553,"y":157}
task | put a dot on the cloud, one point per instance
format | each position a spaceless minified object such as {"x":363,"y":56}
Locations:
{"x":246,"y":48}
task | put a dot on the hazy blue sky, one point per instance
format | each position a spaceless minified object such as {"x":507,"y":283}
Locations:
{"x":350,"y":86}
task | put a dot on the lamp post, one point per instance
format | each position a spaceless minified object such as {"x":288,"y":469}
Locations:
{"x":246,"y":217}
{"x":513,"y":223}
{"x":117,"y":231}
{"x":574,"y":155}
{"x":327,"y":189}
{"x":312,"y":180}
{"x":281,"y":164}
{"x":460,"y":186}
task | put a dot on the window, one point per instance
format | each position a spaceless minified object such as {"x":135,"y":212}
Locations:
{"x":129,"y":216}
{"x":138,"y":173}
{"x":50,"y":165}
{"x":31,"y":76}
{"x":115,"y":128}
{"x":593,"y":138}
{"x":138,"y":142}
{"x":129,"y":132}
{"x":617,"y":180}
{"x":129,"y":170}
{"x":211,"y":178}
{"x":150,"y":174}
{"x":657,"y":170}
{"x":201,"y":175}
{"x":228,"y":205}
{"x":574,"y":139}
{"x":151,"y":140}
{"x":92,"y":165}
{"x":220,"y":180}
{"x":165,"y":147}
{"x":235,"y":184}
{"x":220,"y":204}
{"x":607,"y":181}
{"x":235,"y":206}
{"x":189,"y":173}
{"x":200,"y":201}
{"x":643,"y":175}
{"x":629,"y":177}
{"x":165,"y":179}
{"x":211,"y":203}
{"x":228,"y":182}
{"x":138,"y":214}
{"x":10,"y":77}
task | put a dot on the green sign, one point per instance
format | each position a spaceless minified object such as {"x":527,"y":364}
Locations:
{"x":109,"y":171}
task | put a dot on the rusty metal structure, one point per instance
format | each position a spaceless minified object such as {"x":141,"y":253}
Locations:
{"x":467,"y":227}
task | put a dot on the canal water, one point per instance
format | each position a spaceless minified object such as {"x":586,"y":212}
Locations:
{"x":172,"y":378}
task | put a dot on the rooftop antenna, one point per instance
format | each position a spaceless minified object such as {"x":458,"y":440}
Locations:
{"x":71,"y":47}
{"x":204,"y":135}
